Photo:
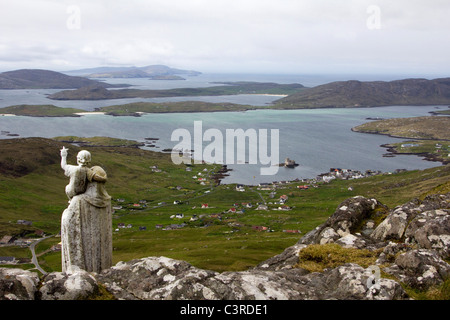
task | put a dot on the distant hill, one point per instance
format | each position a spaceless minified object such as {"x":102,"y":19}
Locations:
{"x":343,"y":94}
{"x":231,"y":88}
{"x":157,"y":72}
{"x":45,"y":79}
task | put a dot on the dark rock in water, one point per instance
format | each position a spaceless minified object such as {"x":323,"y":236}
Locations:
{"x":419,"y":229}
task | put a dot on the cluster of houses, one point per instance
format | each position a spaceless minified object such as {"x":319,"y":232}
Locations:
{"x":22,"y":242}
{"x":346,"y":174}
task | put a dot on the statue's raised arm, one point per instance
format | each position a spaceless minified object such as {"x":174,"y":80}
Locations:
{"x":64,"y":153}
{"x":77,"y":174}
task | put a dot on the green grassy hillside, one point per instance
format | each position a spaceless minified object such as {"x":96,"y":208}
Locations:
{"x":146,"y":185}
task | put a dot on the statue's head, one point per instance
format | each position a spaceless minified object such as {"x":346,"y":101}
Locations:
{"x":83,"y":158}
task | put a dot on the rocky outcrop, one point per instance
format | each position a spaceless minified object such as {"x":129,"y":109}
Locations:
{"x":411,"y":243}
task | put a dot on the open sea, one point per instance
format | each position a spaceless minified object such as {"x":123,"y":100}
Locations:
{"x":317,"y":139}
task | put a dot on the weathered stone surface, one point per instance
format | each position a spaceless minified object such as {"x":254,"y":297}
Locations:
{"x":164,"y":278}
{"x":431,"y":230}
{"x":351,"y":281}
{"x":349,"y":216}
{"x":420,"y":269}
{"x":18,"y":284}
{"x":395,"y":225}
{"x":285,"y":260}
{"x":392,"y":227}
{"x":391,"y":251}
{"x":62,"y":286}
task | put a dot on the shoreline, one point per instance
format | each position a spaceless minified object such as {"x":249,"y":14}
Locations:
{"x":88,"y":113}
{"x":243,"y":108}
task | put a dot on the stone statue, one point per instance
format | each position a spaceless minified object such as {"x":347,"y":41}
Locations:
{"x":86,"y":224}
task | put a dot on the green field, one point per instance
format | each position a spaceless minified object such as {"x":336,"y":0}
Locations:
{"x":145,"y":185}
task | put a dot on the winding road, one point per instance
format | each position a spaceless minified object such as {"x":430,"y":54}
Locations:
{"x":34,"y":259}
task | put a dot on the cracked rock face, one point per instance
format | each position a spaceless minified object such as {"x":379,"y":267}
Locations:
{"x":420,"y":268}
{"x":18,"y":284}
{"x":419,"y":231}
{"x":431,"y":230}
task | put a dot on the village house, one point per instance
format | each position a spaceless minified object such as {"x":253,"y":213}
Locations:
{"x":205,"y":206}
{"x":291,"y":231}
{"x":283,"y":199}
{"x":174,"y":226}
{"x":8,"y":240}
{"x":262,"y":207}
{"x":8,"y":260}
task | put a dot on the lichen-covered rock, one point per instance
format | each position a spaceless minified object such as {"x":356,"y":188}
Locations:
{"x":352,"y":241}
{"x":158,"y":278}
{"x":392,"y":227}
{"x":396,"y":223}
{"x":347,"y":218}
{"x":18,"y":284}
{"x":391,"y":251}
{"x":431,"y":230}
{"x":62,"y":286}
{"x":352,"y":282}
{"x":285,"y":260}
{"x":420,"y":269}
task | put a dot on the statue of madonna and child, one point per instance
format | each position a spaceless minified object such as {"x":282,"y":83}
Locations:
{"x":86,"y":224}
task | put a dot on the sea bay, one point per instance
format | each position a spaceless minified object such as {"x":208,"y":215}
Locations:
{"x":317,"y":139}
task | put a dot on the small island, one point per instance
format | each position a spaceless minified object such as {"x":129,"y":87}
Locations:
{"x":41,"y":111}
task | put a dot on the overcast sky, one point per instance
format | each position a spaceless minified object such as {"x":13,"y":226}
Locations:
{"x":227,"y":36}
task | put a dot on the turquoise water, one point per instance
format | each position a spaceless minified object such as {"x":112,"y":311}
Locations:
{"x":316,"y":139}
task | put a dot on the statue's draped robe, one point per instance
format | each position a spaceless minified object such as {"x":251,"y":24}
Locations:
{"x":86,"y":230}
